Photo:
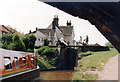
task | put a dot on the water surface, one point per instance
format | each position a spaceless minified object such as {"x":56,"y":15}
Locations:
{"x":56,"y":75}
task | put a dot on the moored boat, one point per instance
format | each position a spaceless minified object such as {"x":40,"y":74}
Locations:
{"x":17,"y":65}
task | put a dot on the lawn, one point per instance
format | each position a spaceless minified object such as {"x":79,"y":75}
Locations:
{"x":91,"y":63}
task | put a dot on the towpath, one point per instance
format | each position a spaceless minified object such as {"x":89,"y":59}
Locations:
{"x":110,"y":71}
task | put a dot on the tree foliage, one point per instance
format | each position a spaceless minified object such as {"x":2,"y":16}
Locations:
{"x":49,"y":54}
{"x":6,"y":40}
{"x":29,"y":41}
{"x":5,"y":45}
{"x":17,"y":44}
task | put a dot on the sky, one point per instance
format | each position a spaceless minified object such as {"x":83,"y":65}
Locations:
{"x":25,"y":15}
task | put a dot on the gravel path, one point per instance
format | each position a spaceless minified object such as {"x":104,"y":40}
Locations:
{"x":110,"y":71}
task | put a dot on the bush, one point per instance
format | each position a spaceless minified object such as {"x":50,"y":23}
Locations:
{"x":30,"y":50}
{"x":41,"y":50}
{"x":49,"y":54}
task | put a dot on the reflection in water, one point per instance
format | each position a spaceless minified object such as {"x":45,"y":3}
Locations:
{"x":56,"y":75}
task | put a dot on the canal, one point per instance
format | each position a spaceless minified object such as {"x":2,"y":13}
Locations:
{"x":56,"y":75}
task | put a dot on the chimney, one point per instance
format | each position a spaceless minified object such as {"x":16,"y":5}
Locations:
{"x":29,"y":31}
{"x":36,"y":28}
{"x":68,"y":23}
{"x":55,"y":21}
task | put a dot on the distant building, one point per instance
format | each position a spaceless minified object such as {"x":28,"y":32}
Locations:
{"x":6,"y":29}
{"x":53,"y":33}
{"x":42,"y":34}
{"x":68,"y":33}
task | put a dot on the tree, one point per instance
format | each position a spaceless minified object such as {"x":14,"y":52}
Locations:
{"x":17,"y":44}
{"x":29,"y":41}
{"x":5,"y":45}
{"x":32,"y":40}
{"x":7,"y":37}
{"x":6,"y":40}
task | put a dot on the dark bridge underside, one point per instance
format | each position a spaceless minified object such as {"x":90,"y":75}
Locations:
{"x":105,"y":16}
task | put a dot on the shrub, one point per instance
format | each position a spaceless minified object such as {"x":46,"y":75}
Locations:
{"x":49,"y":54}
{"x":30,"y":50}
{"x":46,"y":42}
{"x":41,"y":50}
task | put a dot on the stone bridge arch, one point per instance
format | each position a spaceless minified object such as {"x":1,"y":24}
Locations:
{"x":104,"y":15}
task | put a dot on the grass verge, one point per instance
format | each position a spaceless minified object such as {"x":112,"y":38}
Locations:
{"x":43,"y":64}
{"x":89,"y":65}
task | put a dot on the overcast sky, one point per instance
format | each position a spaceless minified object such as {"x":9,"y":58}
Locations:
{"x":25,"y":15}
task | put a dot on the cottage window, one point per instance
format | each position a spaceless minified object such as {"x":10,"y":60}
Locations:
{"x":7,"y":62}
{"x":16,"y":62}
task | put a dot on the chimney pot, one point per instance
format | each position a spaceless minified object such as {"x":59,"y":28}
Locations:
{"x":55,"y":21}
{"x":36,"y":28}
{"x":69,"y":23}
{"x":30,"y":31}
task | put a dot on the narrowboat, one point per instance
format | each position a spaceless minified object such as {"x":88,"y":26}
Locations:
{"x":17,"y":65}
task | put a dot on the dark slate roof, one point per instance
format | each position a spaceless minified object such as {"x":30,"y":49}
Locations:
{"x":67,"y":30}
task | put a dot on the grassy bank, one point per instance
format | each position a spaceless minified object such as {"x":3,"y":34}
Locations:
{"x":91,"y":63}
{"x":43,"y":64}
